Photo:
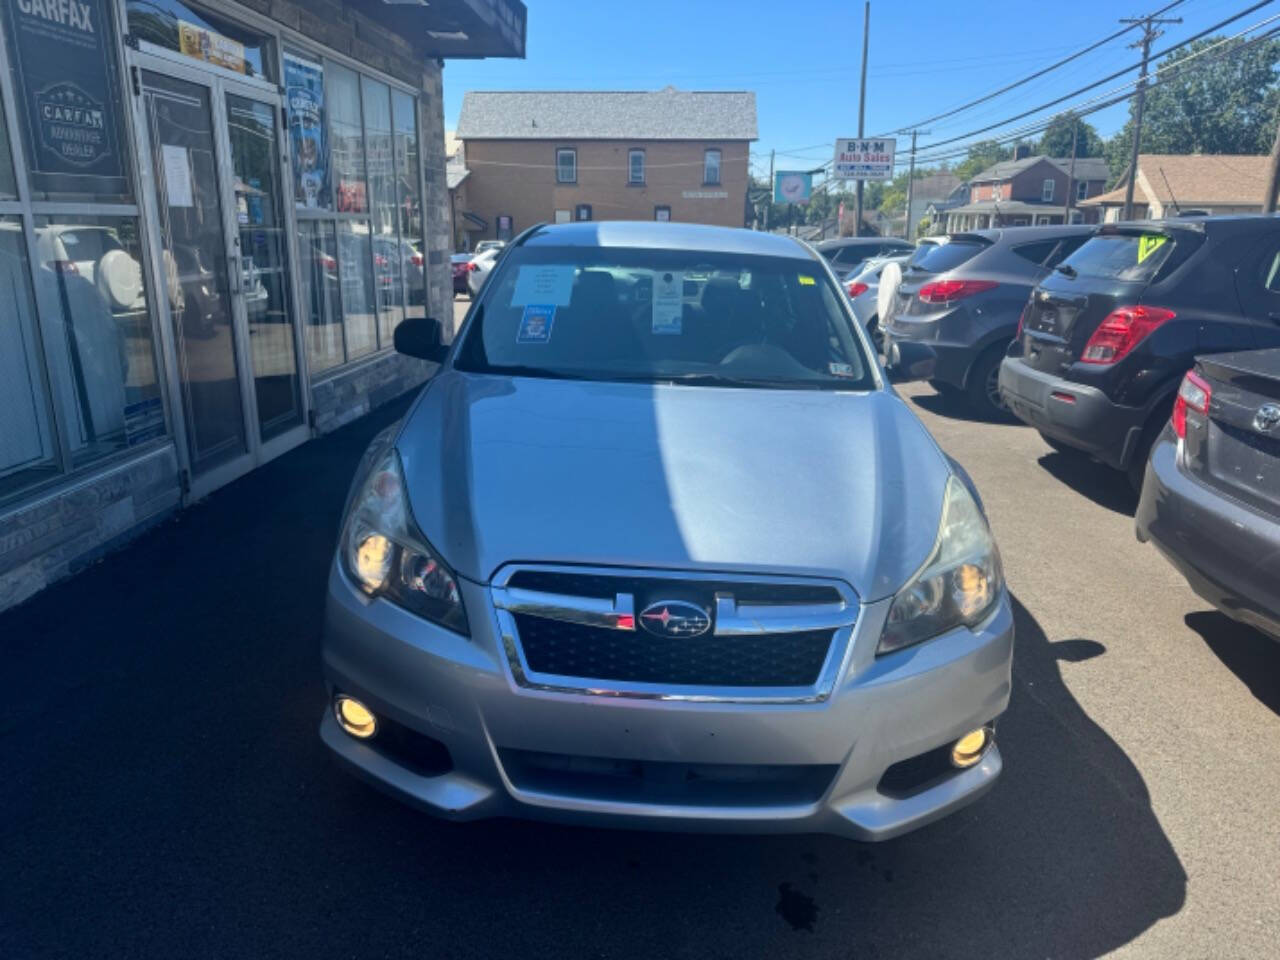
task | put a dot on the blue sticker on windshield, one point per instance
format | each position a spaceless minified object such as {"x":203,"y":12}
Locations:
{"x":536,"y":323}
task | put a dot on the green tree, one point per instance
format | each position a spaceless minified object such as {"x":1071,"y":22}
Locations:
{"x":981,"y":155}
{"x":1056,"y":141}
{"x":1222,"y":102}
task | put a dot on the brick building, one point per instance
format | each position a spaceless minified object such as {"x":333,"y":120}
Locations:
{"x":212,"y":216}
{"x":559,"y":156}
{"x":1031,"y":191}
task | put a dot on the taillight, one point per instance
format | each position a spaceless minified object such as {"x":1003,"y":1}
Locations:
{"x":948,"y":291}
{"x":416,"y":259}
{"x":471,"y":266}
{"x":1195,"y":394}
{"x":66,"y":266}
{"x":1122,"y":330}
{"x":857,"y":289}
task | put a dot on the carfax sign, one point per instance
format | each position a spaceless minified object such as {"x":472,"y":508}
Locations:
{"x":857,"y":159}
{"x":63,"y":57}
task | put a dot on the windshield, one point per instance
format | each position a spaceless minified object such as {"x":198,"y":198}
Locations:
{"x":665,"y":315}
{"x":1121,"y":256}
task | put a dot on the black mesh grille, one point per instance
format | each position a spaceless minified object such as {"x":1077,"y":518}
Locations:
{"x":764,"y":660}
{"x":604,"y":585}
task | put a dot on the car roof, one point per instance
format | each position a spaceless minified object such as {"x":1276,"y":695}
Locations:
{"x":658,"y":235}
{"x":1024,"y":234}
{"x":1221,"y":223}
{"x":837,"y":243}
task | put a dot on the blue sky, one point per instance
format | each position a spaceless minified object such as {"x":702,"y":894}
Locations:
{"x":802,"y":59}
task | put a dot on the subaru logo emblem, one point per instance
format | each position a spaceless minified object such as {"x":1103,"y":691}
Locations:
{"x":1267,"y":418}
{"x":675,"y":618}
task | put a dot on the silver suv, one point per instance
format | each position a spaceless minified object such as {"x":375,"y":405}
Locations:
{"x":658,"y":546}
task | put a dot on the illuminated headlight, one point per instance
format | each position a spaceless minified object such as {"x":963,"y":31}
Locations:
{"x":387,"y":556}
{"x":958,"y":585}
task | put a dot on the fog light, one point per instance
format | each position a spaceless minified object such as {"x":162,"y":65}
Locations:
{"x":970,"y":748}
{"x":355,"y":718}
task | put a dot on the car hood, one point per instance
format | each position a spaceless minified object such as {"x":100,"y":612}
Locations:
{"x":818,"y":483}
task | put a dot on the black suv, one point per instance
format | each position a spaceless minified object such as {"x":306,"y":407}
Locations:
{"x":957,"y":307}
{"x":1106,"y":338}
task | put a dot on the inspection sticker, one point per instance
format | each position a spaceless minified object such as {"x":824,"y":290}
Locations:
{"x":668,"y":302}
{"x":840,"y":369}
{"x":805,"y":280}
{"x":536,"y":323}
{"x":543,"y":283}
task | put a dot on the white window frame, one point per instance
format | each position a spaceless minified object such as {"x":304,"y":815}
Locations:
{"x":572,"y":154}
{"x":635,"y":153}
{"x":706,"y":166}
{"x":1046,"y":190}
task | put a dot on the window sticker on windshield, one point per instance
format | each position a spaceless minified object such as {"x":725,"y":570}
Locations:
{"x":840,"y":369}
{"x":536,"y":323}
{"x":543,"y":283}
{"x":668,"y":302}
{"x":1148,"y":244}
{"x":806,"y":281}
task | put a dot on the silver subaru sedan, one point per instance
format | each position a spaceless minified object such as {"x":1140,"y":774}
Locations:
{"x":659,"y":547}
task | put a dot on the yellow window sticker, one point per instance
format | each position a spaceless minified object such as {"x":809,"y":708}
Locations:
{"x":1148,"y":244}
{"x":806,"y":281}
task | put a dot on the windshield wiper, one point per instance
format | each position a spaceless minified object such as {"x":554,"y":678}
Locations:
{"x":723,"y":380}
{"x":524,"y":370}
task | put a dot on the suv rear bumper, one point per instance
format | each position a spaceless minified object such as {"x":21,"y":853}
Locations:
{"x":1088,"y":421}
{"x":1205,"y":534}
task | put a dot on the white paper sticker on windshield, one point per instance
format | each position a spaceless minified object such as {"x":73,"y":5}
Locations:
{"x":668,"y":301}
{"x":548,"y":283}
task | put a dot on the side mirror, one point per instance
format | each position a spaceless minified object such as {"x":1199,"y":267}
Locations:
{"x":420,"y":337}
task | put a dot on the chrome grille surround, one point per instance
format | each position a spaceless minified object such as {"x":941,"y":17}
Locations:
{"x":731,"y":619}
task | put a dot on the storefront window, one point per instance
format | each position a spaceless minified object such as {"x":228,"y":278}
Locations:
{"x":66,"y":78}
{"x":174,"y":25}
{"x":97,"y":332}
{"x":27,"y":450}
{"x":8,"y":183}
{"x":304,"y":91}
{"x":322,"y":304}
{"x":388,"y":259}
{"x":356,"y":283}
{"x":409,"y":202}
{"x":346,"y":139}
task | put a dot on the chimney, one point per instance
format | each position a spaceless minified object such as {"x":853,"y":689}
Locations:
{"x":1021,"y":151}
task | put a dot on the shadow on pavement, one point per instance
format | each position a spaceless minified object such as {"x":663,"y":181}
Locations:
{"x":165,"y":793}
{"x":1104,"y":486}
{"x":1248,"y":653}
{"x":955,"y":406}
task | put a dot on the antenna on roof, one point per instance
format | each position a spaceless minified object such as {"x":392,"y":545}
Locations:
{"x":1176,"y":206}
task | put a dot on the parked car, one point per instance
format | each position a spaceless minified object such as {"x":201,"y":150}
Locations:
{"x":625,"y":561}
{"x":485,"y":245}
{"x":461,"y":266}
{"x":1107,"y":337}
{"x":957,"y":307}
{"x":481,"y":264}
{"x":863,"y":289}
{"x":848,"y":254}
{"x":1211,"y":498}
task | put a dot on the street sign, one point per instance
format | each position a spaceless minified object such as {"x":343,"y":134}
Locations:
{"x":863,"y":159}
{"x":792,"y":186}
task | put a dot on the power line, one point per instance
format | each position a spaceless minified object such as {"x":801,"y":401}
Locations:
{"x":1039,"y":73}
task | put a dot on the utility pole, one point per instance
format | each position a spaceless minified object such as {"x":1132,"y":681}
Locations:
{"x":1149,"y":33}
{"x":911,"y":179}
{"x":862,"y":111}
{"x":1071,"y":171}
{"x":769,"y":203}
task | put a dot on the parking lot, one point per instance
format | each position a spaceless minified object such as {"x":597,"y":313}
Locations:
{"x":165,"y":793}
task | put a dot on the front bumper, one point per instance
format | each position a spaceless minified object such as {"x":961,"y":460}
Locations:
{"x":1229,"y":554}
{"x":1089,"y":421}
{"x":461,"y":692}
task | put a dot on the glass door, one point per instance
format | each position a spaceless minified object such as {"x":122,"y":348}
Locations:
{"x":195,"y":271}
{"x":262,"y":267}
{"x":221,"y":231}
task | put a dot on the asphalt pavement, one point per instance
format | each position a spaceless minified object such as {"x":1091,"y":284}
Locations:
{"x":164,"y":792}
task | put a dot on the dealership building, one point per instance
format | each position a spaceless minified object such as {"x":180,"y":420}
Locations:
{"x":212,"y":217}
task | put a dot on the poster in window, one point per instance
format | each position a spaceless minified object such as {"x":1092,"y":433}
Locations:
{"x":210,"y":46}
{"x":63,"y":58}
{"x":304,"y":88}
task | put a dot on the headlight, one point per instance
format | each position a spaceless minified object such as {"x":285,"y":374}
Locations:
{"x":386,"y":555}
{"x":958,"y":585}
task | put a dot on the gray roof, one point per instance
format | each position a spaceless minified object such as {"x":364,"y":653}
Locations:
{"x":1087,"y":168}
{"x":668,"y":114}
{"x":454,"y":174}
